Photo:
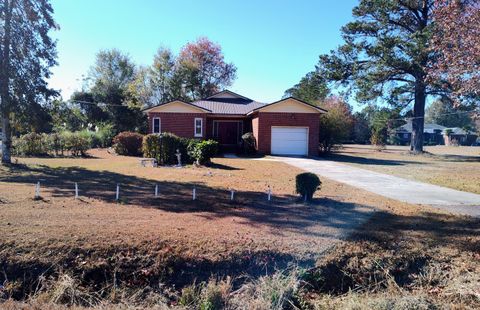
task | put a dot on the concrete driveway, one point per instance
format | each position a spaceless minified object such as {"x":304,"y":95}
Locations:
{"x":392,"y":187}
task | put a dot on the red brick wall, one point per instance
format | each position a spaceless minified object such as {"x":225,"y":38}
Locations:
{"x":268,"y":119}
{"x":180,"y":124}
{"x":255,"y":128}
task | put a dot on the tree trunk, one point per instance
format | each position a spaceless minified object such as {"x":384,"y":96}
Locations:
{"x":6,"y":140}
{"x":4,"y":84}
{"x":418,"y":121}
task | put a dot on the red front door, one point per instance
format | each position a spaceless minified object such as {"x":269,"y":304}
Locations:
{"x":228,"y":133}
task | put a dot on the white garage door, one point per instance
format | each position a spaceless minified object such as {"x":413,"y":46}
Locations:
{"x":289,"y":141}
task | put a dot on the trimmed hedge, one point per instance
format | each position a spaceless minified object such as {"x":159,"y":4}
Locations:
{"x":163,"y":148}
{"x":306,"y":184}
{"x":128,"y":143}
{"x":203,"y":151}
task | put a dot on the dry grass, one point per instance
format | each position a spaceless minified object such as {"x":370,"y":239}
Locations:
{"x":454,"y":167}
{"x":143,"y":241}
{"x":402,"y":259}
{"x":167,"y":251}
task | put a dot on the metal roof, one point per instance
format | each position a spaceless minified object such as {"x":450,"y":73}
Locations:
{"x":234,"y":106}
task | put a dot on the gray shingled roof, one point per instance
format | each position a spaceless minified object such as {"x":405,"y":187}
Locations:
{"x":228,"y":105}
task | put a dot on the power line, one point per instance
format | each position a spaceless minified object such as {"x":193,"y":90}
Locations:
{"x":99,"y":104}
{"x":419,"y":117}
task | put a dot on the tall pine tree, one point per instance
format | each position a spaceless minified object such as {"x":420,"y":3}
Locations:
{"x":386,"y":56}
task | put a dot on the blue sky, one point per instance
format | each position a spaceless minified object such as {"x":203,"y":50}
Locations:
{"x":273,"y":43}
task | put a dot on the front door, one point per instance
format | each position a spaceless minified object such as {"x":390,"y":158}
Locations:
{"x":227,"y":133}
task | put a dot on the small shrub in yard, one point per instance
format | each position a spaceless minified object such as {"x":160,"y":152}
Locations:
{"x":203,"y":151}
{"x":56,"y":143}
{"x":169,"y":144}
{"x":77,"y":143}
{"x":151,"y":146}
{"x":104,"y":135}
{"x":306,"y":184}
{"x":31,"y":144}
{"x":163,"y":148}
{"x":128,"y":143}
{"x":249,"y":144}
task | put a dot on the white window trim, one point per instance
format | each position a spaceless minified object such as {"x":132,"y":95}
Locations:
{"x":159,"y":125}
{"x":195,"y":134}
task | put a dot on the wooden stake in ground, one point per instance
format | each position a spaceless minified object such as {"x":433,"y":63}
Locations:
{"x":37,"y":190}
{"x":194,"y":193}
{"x":269,"y":193}
{"x":232,"y":192}
{"x":117,"y":196}
{"x":156,"y":190}
{"x":76,"y":190}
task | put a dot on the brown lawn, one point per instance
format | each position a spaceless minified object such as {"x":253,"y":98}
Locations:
{"x":159,"y":237}
{"x":161,"y":244}
{"x":454,"y":167}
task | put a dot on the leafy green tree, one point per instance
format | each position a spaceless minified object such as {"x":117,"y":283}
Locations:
{"x":386,"y":55}
{"x":379,"y":127}
{"x":336,"y":125}
{"x":197,"y":72}
{"x":66,"y":116}
{"x":107,"y":98}
{"x":92,"y":112}
{"x":312,"y":88}
{"x":443,"y":112}
{"x":162,"y":74}
{"x":361,"y":128}
{"x":157,"y":83}
{"x":27,"y":53}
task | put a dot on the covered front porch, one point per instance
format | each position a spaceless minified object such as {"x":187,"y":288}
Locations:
{"x":228,"y":131}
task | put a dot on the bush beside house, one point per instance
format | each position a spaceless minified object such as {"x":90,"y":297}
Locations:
{"x":128,"y":143}
{"x":163,"y":148}
{"x":249,"y":144}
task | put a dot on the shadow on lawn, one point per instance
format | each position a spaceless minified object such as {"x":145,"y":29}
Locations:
{"x":370,"y":161}
{"x":284,"y":213}
{"x":386,"y":229}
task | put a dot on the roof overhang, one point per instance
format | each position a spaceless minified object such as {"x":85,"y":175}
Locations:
{"x":168,"y":107}
{"x":307,"y":105}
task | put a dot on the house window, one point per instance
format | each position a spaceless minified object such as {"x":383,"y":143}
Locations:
{"x":198,"y":127}
{"x":156,"y":125}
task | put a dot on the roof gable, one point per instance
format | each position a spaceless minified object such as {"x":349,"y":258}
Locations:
{"x":227,"y":94}
{"x":290,"y":105}
{"x":177,"y":106}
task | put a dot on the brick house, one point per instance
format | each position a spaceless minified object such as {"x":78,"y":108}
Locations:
{"x":286,"y":127}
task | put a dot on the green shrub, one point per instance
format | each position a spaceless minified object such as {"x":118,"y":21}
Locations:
{"x":164,"y":147}
{"x":128,"y":143}
{"x":203,"y":151}
{"x":169,"y":145}
{"x":151,"y":147}
{"x":31,"y":144}
{"x":77,"y":142}
{"x":249,"y":144}
{"x":306,"y":184}
{"x":56,"y":143}
{"x":104,"y":135}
